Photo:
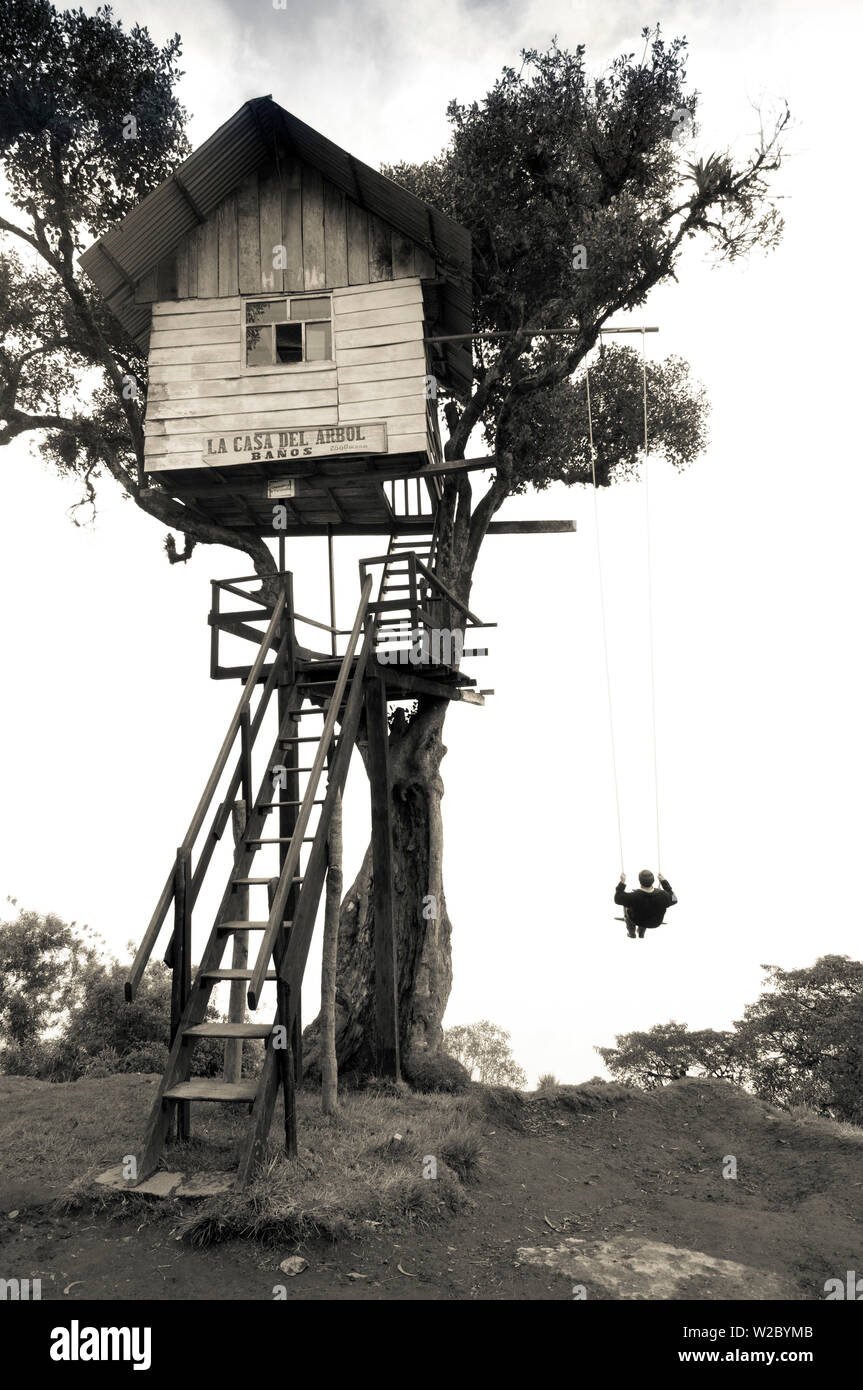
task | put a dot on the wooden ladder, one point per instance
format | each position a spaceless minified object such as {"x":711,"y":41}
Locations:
{"x":284,"y":941}
{"x":396,"y":626}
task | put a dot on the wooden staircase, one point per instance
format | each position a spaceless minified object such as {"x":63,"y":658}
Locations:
{"x":293,"y":894}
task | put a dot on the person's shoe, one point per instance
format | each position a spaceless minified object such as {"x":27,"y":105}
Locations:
{"x":630,"y":933}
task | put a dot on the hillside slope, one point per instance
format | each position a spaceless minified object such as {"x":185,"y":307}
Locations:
{"x":599,"y":1191}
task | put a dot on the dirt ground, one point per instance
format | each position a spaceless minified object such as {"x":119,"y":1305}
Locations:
{"x":617,"y":1194}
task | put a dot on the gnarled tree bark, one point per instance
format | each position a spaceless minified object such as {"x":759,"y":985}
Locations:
{"x":420,"y":922}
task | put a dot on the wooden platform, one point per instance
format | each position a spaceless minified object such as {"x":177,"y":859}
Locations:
{"x":404,"y":681}
{"x":347,"y":494}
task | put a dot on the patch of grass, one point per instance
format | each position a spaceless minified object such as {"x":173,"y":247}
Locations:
{"x":55,"y":1133}
{"x":839,"y":1129}
{"x":462,"y":1151}
{"x":361,"y":1169}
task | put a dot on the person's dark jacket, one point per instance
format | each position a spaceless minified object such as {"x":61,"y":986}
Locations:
{"x":646,"y":909}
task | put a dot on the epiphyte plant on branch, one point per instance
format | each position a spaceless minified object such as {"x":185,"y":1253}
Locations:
{"x":551,"y":158}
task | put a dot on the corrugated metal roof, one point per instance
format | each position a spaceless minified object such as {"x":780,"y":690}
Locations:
{"x":154,"y":228}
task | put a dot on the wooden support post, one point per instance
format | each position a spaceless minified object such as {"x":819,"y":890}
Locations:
{"x":285,"y":1055}
{"x":331,"y":563}
{"x":290,"y":793}
{"x":246,"y":762}
{"x":386,"y":1003}
{"x":239,"y":961}
{"x":297,"y":1042}
{"x":181,"y":979}
{"x":214,"y":630}
{"x":413,"y":598}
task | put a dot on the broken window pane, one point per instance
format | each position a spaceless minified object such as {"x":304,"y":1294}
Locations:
{"x":289,"y":342}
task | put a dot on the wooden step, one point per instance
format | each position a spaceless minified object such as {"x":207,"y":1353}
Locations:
{"x":246,"y":926}
{"x":259,"y":882}
{"x":211,"y":1088}
{"x":221,"y":974}
{"x":281,"y":840}
{"x":268,"y":805}
{"x":228,"y":1030}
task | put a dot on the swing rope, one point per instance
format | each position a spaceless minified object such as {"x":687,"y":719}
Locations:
{"x":604,"y":622}
{"x":650,"y":601}
{"x":649,"y":607}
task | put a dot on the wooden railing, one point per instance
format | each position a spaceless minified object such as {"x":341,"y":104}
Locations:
{"x":183,"y":885}
{"x":292,"y":859}
{"x":429,"y":605}
{"x":409,"y":498}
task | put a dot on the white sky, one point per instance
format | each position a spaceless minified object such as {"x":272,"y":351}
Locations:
{"x":111,"y":722}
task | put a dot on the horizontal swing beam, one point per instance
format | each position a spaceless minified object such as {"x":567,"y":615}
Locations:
{"x":530,"y":333}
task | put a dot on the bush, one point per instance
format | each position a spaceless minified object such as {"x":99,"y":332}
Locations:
{"x":462,"y":1152}
{"x":436,"y":1071}
{"x":548,"y":1083}
{"x":102,"y":1035}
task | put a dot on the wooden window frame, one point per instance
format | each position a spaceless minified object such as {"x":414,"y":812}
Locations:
{"x":270,"y":368}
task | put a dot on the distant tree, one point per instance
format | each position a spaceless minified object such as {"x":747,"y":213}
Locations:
{"x":62,"y":1010}
{"x":800,"y":1043}
{"x":650,"y":1059}
{"x":842,"y":1065}
{"x":43,"y":961}
{"x":803,"y":1037}
{"x":484,"y":1049}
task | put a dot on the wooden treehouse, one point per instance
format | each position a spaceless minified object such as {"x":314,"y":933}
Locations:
{"x":298,"y":310}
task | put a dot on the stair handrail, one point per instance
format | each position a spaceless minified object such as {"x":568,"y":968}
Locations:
{"x":292,"y":858}
{"x":167,"y":895}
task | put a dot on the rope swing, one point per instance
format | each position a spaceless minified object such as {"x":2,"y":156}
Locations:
{"x":602,"y":606}
{"x":604,"y":622}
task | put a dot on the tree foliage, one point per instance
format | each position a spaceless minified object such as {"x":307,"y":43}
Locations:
{"x":484,"y":1049}
{"x":89,"y":124}
{"x":580,"y":200}
{"x":803,"y":1037}
{"x":62,"y":1009}
{"x":668,"y":1052}
{"x":43,"y":961}
{"x":800,"y":1043}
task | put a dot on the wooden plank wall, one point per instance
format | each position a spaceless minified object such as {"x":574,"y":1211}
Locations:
{"x":198,"y":384}
{"x":284,"y":228}
{"x":380,"y":354}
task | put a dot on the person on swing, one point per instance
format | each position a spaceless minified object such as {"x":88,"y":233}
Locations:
{"x":647,"y":906}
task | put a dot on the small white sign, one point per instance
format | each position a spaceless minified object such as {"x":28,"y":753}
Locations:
{"x":282,"y":487}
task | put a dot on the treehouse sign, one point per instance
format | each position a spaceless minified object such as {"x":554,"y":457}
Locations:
{"x":271,"y":445}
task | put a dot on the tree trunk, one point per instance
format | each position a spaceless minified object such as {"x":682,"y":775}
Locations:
{"x":332,"y":906}
{"x":421,"y":925}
